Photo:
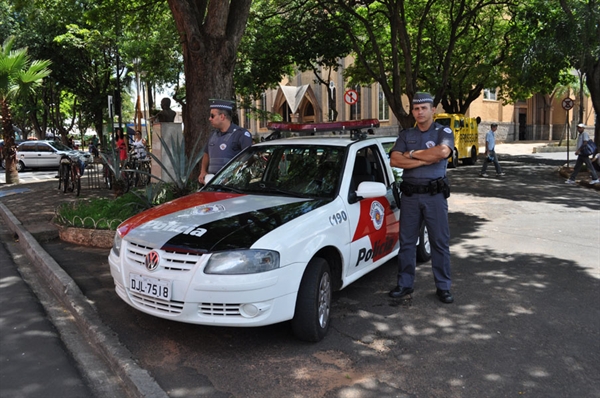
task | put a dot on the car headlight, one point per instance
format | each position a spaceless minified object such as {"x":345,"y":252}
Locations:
{"x":241,"y":262}
{"x":117,"y":244}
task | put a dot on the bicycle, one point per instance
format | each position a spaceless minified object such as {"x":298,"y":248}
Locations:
{"x":109,"y":176}
{"x":70,"y":170}
{"x":139,"y":171}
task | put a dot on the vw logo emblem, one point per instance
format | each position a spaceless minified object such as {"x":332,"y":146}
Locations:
{"x":152,"y":260}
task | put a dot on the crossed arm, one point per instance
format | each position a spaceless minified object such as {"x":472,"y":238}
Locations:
{"x":421,"y":157}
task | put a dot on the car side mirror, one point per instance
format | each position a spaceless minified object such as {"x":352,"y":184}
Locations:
{"x":370,"y":189}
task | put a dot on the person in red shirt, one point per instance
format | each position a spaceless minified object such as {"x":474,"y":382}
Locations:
{"x":121,"y":145}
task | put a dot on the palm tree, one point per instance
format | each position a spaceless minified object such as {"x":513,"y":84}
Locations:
{"x":19,"y":77}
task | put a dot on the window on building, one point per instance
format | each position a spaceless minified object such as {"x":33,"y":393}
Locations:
{"x":384,"y":109}
{"x":263,"y":108}
{"x":489,"y":94}
{"x":355,"y":109}
{"x":247,"y":119}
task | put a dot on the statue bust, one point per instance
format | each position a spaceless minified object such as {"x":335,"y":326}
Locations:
{"x":167,"y":115}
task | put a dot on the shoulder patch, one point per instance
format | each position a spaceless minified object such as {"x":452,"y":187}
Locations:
{"x":448,"y":130}
{"x":247,"y":134}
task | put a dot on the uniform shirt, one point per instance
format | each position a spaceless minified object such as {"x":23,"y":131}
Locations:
{"x":491,"y":140}
{"x":414,"y":139}
{"x":222,"y":147}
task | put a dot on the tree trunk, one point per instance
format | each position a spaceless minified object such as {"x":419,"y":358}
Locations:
{"x":593,"y":84}
{"x":8,"y":152}
{"x":210,"y":33}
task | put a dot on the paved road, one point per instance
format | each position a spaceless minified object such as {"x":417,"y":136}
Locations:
{"x":526,"y":279}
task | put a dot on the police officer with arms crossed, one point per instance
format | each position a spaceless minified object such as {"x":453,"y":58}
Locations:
{"x":226,"y":141}
{"x":422,"y":152}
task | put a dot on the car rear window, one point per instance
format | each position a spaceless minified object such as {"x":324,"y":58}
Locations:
{"x":26,"y":147}
{"x":59,"y":146}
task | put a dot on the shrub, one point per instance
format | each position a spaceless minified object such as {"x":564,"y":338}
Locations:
{"x":99,"y":213}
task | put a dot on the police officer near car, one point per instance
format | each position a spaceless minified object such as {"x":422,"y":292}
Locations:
{"x":226,"y":141}
{"x":422,"y":151}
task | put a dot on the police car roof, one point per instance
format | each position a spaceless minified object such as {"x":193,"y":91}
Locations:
{"x":326,"y":140}
{"x":346,"y":125}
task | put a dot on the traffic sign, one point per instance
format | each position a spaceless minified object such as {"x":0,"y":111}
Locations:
{"x":567,"y":103}
{"x":351,"y":97}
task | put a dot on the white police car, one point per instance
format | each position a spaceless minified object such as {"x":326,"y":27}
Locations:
{"x":268,"y":239}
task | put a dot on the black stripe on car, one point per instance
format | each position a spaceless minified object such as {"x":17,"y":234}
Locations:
{"x":239,"y":231}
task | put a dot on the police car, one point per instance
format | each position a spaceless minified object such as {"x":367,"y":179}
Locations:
{"x":270,"y":237}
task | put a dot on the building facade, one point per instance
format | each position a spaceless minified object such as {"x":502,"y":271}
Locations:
{"x":299,"y":99}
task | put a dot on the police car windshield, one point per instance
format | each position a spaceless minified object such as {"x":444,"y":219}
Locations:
{"x":299,"y":170}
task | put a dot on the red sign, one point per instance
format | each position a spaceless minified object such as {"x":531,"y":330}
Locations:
{"x":351,"y":97}
{"x":567,"y":103}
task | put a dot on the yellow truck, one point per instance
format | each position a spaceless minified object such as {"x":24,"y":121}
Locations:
{"x":466,"y":137}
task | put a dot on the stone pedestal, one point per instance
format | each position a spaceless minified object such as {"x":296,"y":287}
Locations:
{"x":168,"y":132}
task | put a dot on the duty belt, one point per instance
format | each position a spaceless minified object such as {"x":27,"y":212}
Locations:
{"x":433,"y":188}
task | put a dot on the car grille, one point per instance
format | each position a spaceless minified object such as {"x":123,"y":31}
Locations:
{"x":170,"y":260}
{"x":218,"y":309}
{"x":170,"y":307}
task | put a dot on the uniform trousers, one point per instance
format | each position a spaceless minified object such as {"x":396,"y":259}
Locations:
{"x":433,"y":209}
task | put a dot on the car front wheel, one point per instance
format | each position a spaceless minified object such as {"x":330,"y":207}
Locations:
{"x":424,"y":246}
{"x":313,"y":304}
{"x":20,"y":166}
{"x":454,"y":161}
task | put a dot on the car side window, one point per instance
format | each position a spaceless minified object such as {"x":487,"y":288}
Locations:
{"x":26,"y":147}
{"x":43,"y":148}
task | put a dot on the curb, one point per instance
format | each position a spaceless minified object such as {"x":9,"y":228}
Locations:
{"x":137,"y":381}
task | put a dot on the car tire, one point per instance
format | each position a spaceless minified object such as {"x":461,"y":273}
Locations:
{"x":313,"y":304}
{"x":454,"y":161}
{"x":473,"y":158}
{"x":424,"y":246}
{"x":20,"y":166}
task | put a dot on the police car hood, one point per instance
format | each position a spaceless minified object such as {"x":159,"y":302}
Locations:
{"x":214,"y":221}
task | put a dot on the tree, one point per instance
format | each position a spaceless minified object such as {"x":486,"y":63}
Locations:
{"x":19,"y":77}
{"x":285,"y":36}
{"x":583,"y":17}
{"x":427,"y":45}
{"x":555,"y":37}
{"x":210,"y":32}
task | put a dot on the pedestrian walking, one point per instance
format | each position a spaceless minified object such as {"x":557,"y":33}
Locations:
{"x":422,"y":152}
{"x":581,"y":158}
{"x":490,"y":152}
{"x":226,"y":141}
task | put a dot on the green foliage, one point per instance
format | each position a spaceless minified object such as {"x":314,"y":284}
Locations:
{"x":450,"y":48}
{"x":282,"y":36}
{"x":98,"y":213}
{"x":113,"y":162}
{"x":182,"y":168}
{"x":20,"y":76}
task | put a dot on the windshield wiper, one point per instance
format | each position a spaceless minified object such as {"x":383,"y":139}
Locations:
{"x":225,"y":188}
{"x":286,"y":192}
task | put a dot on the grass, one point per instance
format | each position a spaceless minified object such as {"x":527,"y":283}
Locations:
{"x":99,"y":213}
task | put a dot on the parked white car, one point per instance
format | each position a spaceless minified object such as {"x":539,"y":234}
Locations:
{"x":269,"y":238}
{"x":45,"y":154}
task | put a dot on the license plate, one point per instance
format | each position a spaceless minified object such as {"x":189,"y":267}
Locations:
{"x":153,"y":287}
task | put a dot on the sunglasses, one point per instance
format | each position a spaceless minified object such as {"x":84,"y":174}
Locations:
{"x":214,"y":115}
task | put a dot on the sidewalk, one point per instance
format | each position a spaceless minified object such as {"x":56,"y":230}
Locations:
{"x":27,"y":210}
